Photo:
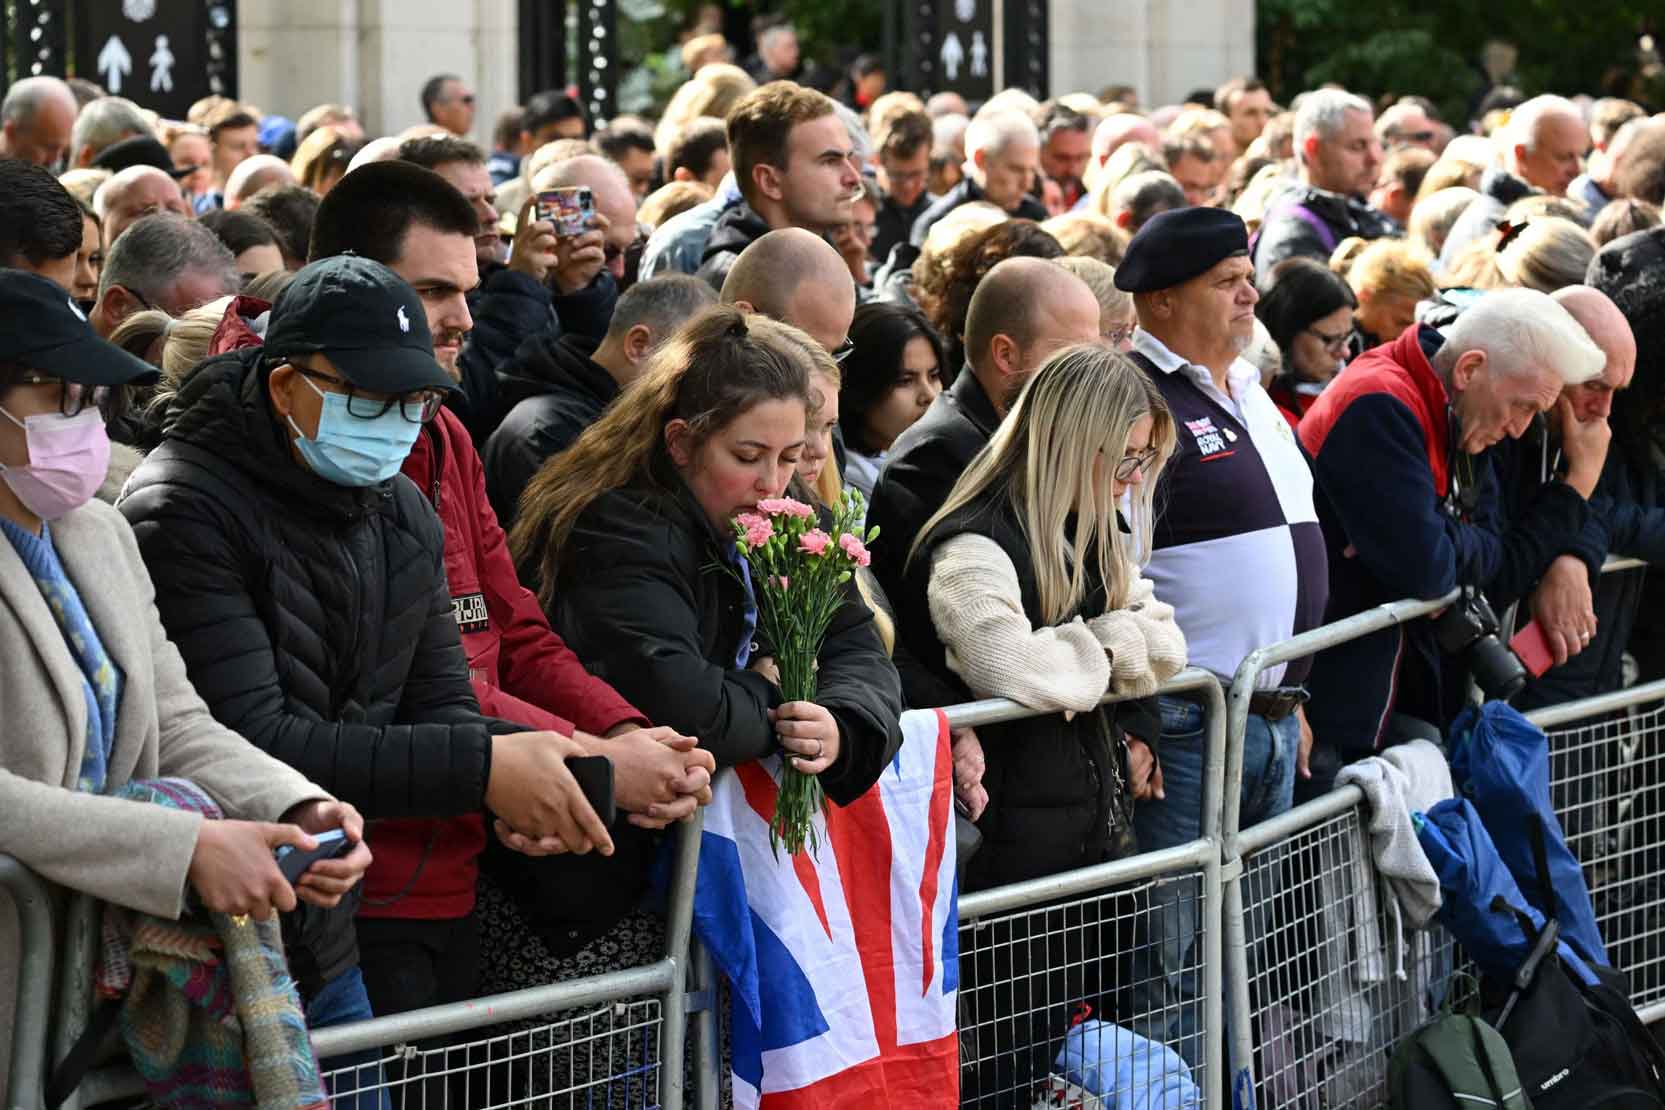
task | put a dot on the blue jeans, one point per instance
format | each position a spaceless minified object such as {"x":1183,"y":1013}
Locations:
{"x":1167,"y":968}
{"x":340,"y":1001}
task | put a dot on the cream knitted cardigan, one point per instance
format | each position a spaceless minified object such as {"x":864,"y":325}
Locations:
{"x":976,"y":605}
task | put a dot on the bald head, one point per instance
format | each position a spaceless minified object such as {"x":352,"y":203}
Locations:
{"x":131,"y":195}
{"x":1023,"y":311}
{"x":1608,"y":329}
{"x":1119,"y":130}
{"x":794,"y":276}
{"x":254,"y":173}
{"x":609,"y":189}
{"x":37,"y":120}
{"x":384,"y":149}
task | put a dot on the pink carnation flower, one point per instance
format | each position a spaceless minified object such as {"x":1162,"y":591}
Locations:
{"x":785,"y":506}
{"x":750,"y":520}
{"x":785,"y":582}
{"x":855,"y":549}
{"x":758,"y":533}
{"x":814,"y":542}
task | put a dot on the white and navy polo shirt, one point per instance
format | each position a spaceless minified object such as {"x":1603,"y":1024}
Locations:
{"x":1237,"y":550}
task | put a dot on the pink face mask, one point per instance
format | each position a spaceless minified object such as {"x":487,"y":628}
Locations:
{"x":68,"y":459}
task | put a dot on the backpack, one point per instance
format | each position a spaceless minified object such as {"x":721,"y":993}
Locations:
{"x":1455,"y":1062}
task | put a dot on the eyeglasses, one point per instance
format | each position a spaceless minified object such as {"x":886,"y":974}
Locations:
{"x":1121,"y":334}
{"x":418,"y":407}
{"x":844,"y":349}
{"x":1332,"y":343}
{"x":73,"y":398}
{"x":1132,"y":464}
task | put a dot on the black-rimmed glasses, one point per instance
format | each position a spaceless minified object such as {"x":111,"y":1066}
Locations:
{"x":419,"y":407}
{"x":73,"y":398}
{"x":1133,"y":464}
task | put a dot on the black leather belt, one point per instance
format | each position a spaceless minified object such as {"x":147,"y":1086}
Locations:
{"x":1277,"y":704}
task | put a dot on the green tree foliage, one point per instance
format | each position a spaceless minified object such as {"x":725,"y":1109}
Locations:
{"x":1432,"y":47}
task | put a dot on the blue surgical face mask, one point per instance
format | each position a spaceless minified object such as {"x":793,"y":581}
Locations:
{"x":353,"y":452}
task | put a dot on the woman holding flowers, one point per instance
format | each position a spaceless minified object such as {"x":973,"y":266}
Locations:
{"x":632,"y":534}
{"x":1034,"y":595}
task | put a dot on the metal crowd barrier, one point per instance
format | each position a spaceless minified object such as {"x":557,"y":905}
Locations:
{"x":1031,"y":951}
{"x":1294,"y":956}
{"x":623,"y":1047}
{"x":31,"y":1005}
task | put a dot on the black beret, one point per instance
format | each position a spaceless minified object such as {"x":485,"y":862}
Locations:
{"x":1175,"y":246}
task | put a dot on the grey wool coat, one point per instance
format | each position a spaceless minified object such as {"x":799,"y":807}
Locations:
{"x":124,"y":852}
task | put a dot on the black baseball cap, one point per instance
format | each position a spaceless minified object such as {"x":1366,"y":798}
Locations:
{"x":140,"y":150}
{"x":49,"y":332}
{"x":365,"y":317}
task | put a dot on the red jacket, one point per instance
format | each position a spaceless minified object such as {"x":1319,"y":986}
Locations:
{"x":520,"y":669}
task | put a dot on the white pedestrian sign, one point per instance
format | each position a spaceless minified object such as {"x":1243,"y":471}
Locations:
{"x":953,"y":55}
{"x":114,"y":63}
{"x":979,"y":56}
{"x":161,"y":66}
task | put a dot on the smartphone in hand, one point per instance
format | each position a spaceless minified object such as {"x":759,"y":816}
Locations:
{"x":293,"y":862}
{"x":570,"y":208}
{"x":595,"y":778}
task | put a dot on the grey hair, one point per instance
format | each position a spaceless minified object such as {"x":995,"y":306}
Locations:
{"x":1524,"y":332}
{"x":1529,"y":115}
{"x":860,"y":142}
{"x":27,"y":96}
{"x":999,"y":130}
{"x":106,"y":120}
{"x":155,"y":251}
{"x":1143,"y":195}
{"x":1323,"y":113}
{"x":661,"y":304}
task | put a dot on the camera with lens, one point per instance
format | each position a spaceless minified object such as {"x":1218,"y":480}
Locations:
{"x":1468,"y":632}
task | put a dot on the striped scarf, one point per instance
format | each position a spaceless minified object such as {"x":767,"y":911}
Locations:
{"x":211,"y":1016}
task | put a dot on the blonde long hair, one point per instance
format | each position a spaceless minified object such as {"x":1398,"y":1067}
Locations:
{"x":717,"y":366}
{"x":1077,"y":409}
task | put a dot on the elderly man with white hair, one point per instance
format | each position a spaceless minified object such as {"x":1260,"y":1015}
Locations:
{"x":1409,"y":506}
{"x":36,"y":121}
{"x":131,"y":195}
{"x":1002,"y":155}
{"x":1338,"y":156}
{"x":1542,"y":151}
{"x":105,"y":122}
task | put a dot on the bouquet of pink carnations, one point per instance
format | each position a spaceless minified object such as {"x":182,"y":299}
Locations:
{"x":798,"y":574}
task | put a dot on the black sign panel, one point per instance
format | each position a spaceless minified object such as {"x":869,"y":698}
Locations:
{"x":960,"y":56}
{"x":161,"y":54}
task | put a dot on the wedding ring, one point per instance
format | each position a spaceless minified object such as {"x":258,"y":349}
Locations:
{"x":819,"y":748}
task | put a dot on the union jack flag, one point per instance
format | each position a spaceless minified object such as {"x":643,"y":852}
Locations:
{"x":845,"y":965}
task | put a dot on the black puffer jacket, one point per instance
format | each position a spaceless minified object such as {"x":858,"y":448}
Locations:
{"x":737,"y":229}
{"x":924,"y":463}
{"x":1056,"y":799}
{"x":553,"y":391}
{"x":644,"y":602}
{"x":313,"y":618}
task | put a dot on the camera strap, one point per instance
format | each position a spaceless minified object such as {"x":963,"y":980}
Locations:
{"x":1462,"y":494}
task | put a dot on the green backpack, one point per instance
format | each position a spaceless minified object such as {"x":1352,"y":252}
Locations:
{"x":1455,"y":1062}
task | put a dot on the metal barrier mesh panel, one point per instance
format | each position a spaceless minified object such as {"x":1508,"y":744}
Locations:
{"x":1607,"y":780}
{"x":1026,"y":975}
{"x":1326,"y":1001}
{"x":606,"y":1058}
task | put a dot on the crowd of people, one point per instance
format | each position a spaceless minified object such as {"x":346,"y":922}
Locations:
{"x":341,"y":481}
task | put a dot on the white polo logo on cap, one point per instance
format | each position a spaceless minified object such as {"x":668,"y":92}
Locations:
{"x":75,"y":308}
{"x":404,"y":321}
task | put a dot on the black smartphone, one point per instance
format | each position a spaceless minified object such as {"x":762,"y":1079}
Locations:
{"x":595,"y":778}
{"x":293,"y":862}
